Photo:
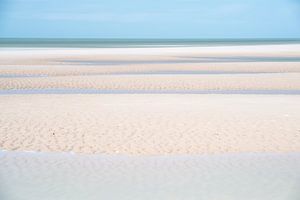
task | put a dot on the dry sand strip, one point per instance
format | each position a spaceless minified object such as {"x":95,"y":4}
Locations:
{"x":150,"y":124}
{"x":204,"y":68}
{"x":183,"y":55}
{"x":290,"y":81}
{"x":39,"y":54}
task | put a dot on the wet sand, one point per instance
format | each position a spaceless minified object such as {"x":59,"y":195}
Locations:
{"x":150,"y":123}
{"x":178,"y":100}
{"x":59,"y":176}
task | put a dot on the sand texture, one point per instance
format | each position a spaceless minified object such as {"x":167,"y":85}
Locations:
{"x":151,"y":101}
{"x":150,"y":124}
{"x":184,"y":123}
{"x":159,"y":82}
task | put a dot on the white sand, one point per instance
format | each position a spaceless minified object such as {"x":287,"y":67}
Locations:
{"x":150,"y":146}
{"x":276,"y":50}
{"x":50,"y":56}
{"x":289,"y":81}
{"x":151,"y":124}
{"x":47,"y":69}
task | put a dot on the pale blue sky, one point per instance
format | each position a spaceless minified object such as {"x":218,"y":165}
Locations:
{"x":150,"y":18}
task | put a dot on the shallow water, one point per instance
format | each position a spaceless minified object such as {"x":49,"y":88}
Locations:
{"x":167,"y":72}
{"x":188,"y":60}
{"x":47,"y":176}
{"x":21,"y":76}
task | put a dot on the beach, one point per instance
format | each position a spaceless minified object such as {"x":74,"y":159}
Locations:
{"x":150,"y":124}
{"x":181,"y":109}
{"x":34,"y":176}
{"x":151,"y":100}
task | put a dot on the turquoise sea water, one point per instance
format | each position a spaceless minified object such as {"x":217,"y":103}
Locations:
{"x":111,"y":43}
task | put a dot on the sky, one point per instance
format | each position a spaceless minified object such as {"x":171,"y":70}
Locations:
{"x":150,"y":19}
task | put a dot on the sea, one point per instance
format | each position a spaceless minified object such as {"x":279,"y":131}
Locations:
{"x":135,"y":43}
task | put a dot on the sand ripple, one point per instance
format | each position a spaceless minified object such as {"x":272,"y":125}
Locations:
{"x":159,"y":82}
{"x":150,"y":124}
